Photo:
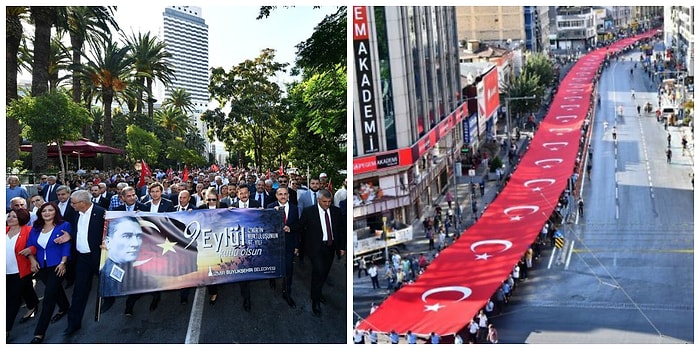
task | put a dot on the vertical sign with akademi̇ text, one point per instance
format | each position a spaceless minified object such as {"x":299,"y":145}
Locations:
{"x":365,"y":83}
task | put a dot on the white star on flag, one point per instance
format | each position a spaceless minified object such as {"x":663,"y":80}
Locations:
{"x":435,"y":307}
{"x":484,"y":256}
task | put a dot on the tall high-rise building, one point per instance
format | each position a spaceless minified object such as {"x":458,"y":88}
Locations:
{"x":186,"y":35}
{"x":408,"y":110}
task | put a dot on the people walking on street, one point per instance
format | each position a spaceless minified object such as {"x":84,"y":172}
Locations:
{"x":448,"y":198}
{"x":374,"y":275}
{"x":614,"y":133}
{"x":493,"y":334}
{"x":684,"y":144}
{"x":589,"y":166}
{"x":580,"y":206}
{"x":668,"y":138}
{"x":668,"y":155}
{"x":362,"y":266}
{"x":639,"y":110}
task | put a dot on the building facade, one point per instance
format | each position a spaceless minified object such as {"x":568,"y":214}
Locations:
{"x":407,"y":110}
{"x":186,"y":35}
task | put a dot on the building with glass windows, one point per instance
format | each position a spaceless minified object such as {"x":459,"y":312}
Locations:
{"x":408,"y":111}
{"x":186,"y":35}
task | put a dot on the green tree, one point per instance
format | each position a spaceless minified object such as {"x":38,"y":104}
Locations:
{"x":51,"y":117}
{"x":254,"y":100}
{"x":43,"y":18}
{"x":85,"y":23}
{"x":180,"y":99}
{"x":194,"y":141}
{"x":319,"y":138}
{"x":150,"y":60}
{"x":14,"y":15}
{"x":109,"y":71}
{"x":59,"y":60}
{"x":542,"y":66}
{"x":142,"y":144}
{"x":525,"y":85}
{"x":173,"y":120}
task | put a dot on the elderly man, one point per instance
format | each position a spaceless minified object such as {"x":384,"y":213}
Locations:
{"x":14,"y":189}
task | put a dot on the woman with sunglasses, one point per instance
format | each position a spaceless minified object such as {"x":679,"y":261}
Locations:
{"x":48,"y":260}
{"x":18,"y":271}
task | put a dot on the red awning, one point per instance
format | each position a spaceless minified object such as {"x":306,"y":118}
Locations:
{"x":465,"y":275}
{"x":80,"y":146}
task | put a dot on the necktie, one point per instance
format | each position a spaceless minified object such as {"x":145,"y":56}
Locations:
{"x":328,"y":229}
{"x":245,"y":205}
{"x":284,"y":208}
{"x":313,"y":198}
{"x":48,"y":193}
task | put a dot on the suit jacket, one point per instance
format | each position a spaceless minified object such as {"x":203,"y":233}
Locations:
{"x":305,"y":199}
{"x":69,"y":213}
{"x":102,"y":202}
{"x":312,"y":231}
{"x":52,"y":254}
{"x":252,"y":203}
{"x":188,"y":207}
{"x":267,"y":199}
{"x":25,"y":266}
{"x":165,"y":206}
{"x":137,"y":207}
{"x":293,"y":239}
{"x":52,"y":195}
{"x":293,"y":197}
{"x":95,"y":234}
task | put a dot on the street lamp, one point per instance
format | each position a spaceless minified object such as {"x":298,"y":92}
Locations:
{"x":508,"y":99}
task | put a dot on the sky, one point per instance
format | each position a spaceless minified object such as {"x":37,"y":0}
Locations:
{"x":234,"y":33}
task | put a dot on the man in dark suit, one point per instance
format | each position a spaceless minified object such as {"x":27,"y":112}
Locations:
{"x":283,"y":180}
{"x":63,"y":203}
{"x":184,"y":203}
{"x":291,"y":245}
{"x":244,"y":202}
{"x":48,"y":191}
{"x":86,"y":242}
{"x":131,"y":203}
{"x":322,"y":236}
{"x":260,"y":195}
{"x":158,"y":204}
{"x":97,"y":197}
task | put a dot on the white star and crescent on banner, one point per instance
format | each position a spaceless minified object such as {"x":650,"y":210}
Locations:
{"x":466,"y":292}
{"x":531,"y":208}
{"x":548,"y":160}
{"x":549,"y":182}
{"x":560,"y":131}
{"x":554,"y":146}
{"x":485,"y":256}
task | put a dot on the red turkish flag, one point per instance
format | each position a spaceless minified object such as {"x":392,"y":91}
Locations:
{"x":145,"y":171}
{"x":466,"y":274}
{"x":281,"y":168}
{"x":185,"y":174}
{"x":214,"y":168}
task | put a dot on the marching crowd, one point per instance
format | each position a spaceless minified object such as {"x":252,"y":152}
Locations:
{"x":56,"y":235}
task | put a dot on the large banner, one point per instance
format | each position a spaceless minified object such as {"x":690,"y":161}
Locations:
{"x":466,"y":274}
{"x":144,"y":252}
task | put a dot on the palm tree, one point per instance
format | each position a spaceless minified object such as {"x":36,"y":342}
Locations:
{"x":173,"y":120}
{"x":150,"y":59}
{"x":13,"y":38}
{"x":180,"y":99}
{"x":58,"y":62}
{"x":195,"y":141}
{"x":43,"y":18}
{"x":109,"y":70}
{"x":85,"y":23}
